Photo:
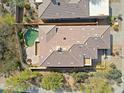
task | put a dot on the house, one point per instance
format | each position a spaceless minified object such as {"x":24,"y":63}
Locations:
{"x":71,"y":46}
{"x":70,"y":9}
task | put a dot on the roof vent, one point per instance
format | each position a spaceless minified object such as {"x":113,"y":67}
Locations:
{"x":59,"y":63}
{"x":78,"y":41}
{"x":48,"y":63}
{"x":64,"y":38}
{"x":50,"y":50}
{"x":81,"y":46}
{"x":57,"y":30}
{"x":58,"y":3}
{"x":70,"y":28}
{"x":94,"y":48}
{"x":72,"y":63}
{"x":60,"y":49}
{"x":96,"y":34}
{"x":74,"y":1}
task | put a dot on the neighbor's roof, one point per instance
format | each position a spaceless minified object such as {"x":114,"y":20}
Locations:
{"x":77,"y":42}
{"x":55,"y":9}
{"x":99,"y":7}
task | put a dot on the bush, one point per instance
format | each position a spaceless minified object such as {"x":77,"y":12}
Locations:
{"x":7,"y":91}
{"x":113,"y":66}
{"x":98,"y":85}
{"x":80,"y":76}
{"x":20,"y":34}
{"x":114,"y":74}
{"x":22,"y":81}
{"x":115,"y":27}
{"x":53,"y":81}
{"x":119,"y":80}
{"x":27,"y":6}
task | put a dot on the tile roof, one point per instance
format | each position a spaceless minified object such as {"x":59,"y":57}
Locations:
{"x":77,"y":43}
{"x":63,"y":59}
{"x":64,"y":10}
{"x":56,"y":9}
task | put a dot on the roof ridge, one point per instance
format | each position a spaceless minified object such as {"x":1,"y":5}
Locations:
{"x":105,"y":30}
{"x":81,"y":44}
{"x":45,"y":9}
{"x":73,"y":2}
{"x":47,"y":57}
{"x":94,"y":37}
{"x":51,"y":29}
{"x":73,"y":57}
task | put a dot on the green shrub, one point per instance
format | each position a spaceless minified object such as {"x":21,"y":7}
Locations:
{"x":52,"y":81}
{"x":80,"y":76}
{"x":119,"y":80}
{"x":22,"y":81}
{"x":27,"y":6}
{"x":114,"y":74}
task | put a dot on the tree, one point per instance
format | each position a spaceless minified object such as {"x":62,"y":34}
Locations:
{"x":19,"y":3}
{"x":9,"y":56}
{"x":52,"y":81}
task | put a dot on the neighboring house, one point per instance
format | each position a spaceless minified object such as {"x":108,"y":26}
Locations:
{"x":71,"y":46}
{"x":67,"y":9}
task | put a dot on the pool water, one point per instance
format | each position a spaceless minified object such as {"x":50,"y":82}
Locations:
{"x":30,"y":36}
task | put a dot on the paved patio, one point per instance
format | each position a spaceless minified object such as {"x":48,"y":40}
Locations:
{"x":32,"y":55}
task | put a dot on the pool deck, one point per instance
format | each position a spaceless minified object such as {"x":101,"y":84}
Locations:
{"x":31,"y":54}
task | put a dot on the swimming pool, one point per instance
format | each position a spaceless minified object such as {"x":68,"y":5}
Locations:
{"x":30,"y":36}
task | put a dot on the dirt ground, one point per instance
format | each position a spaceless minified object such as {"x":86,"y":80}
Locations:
{"x":117,"y":56}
